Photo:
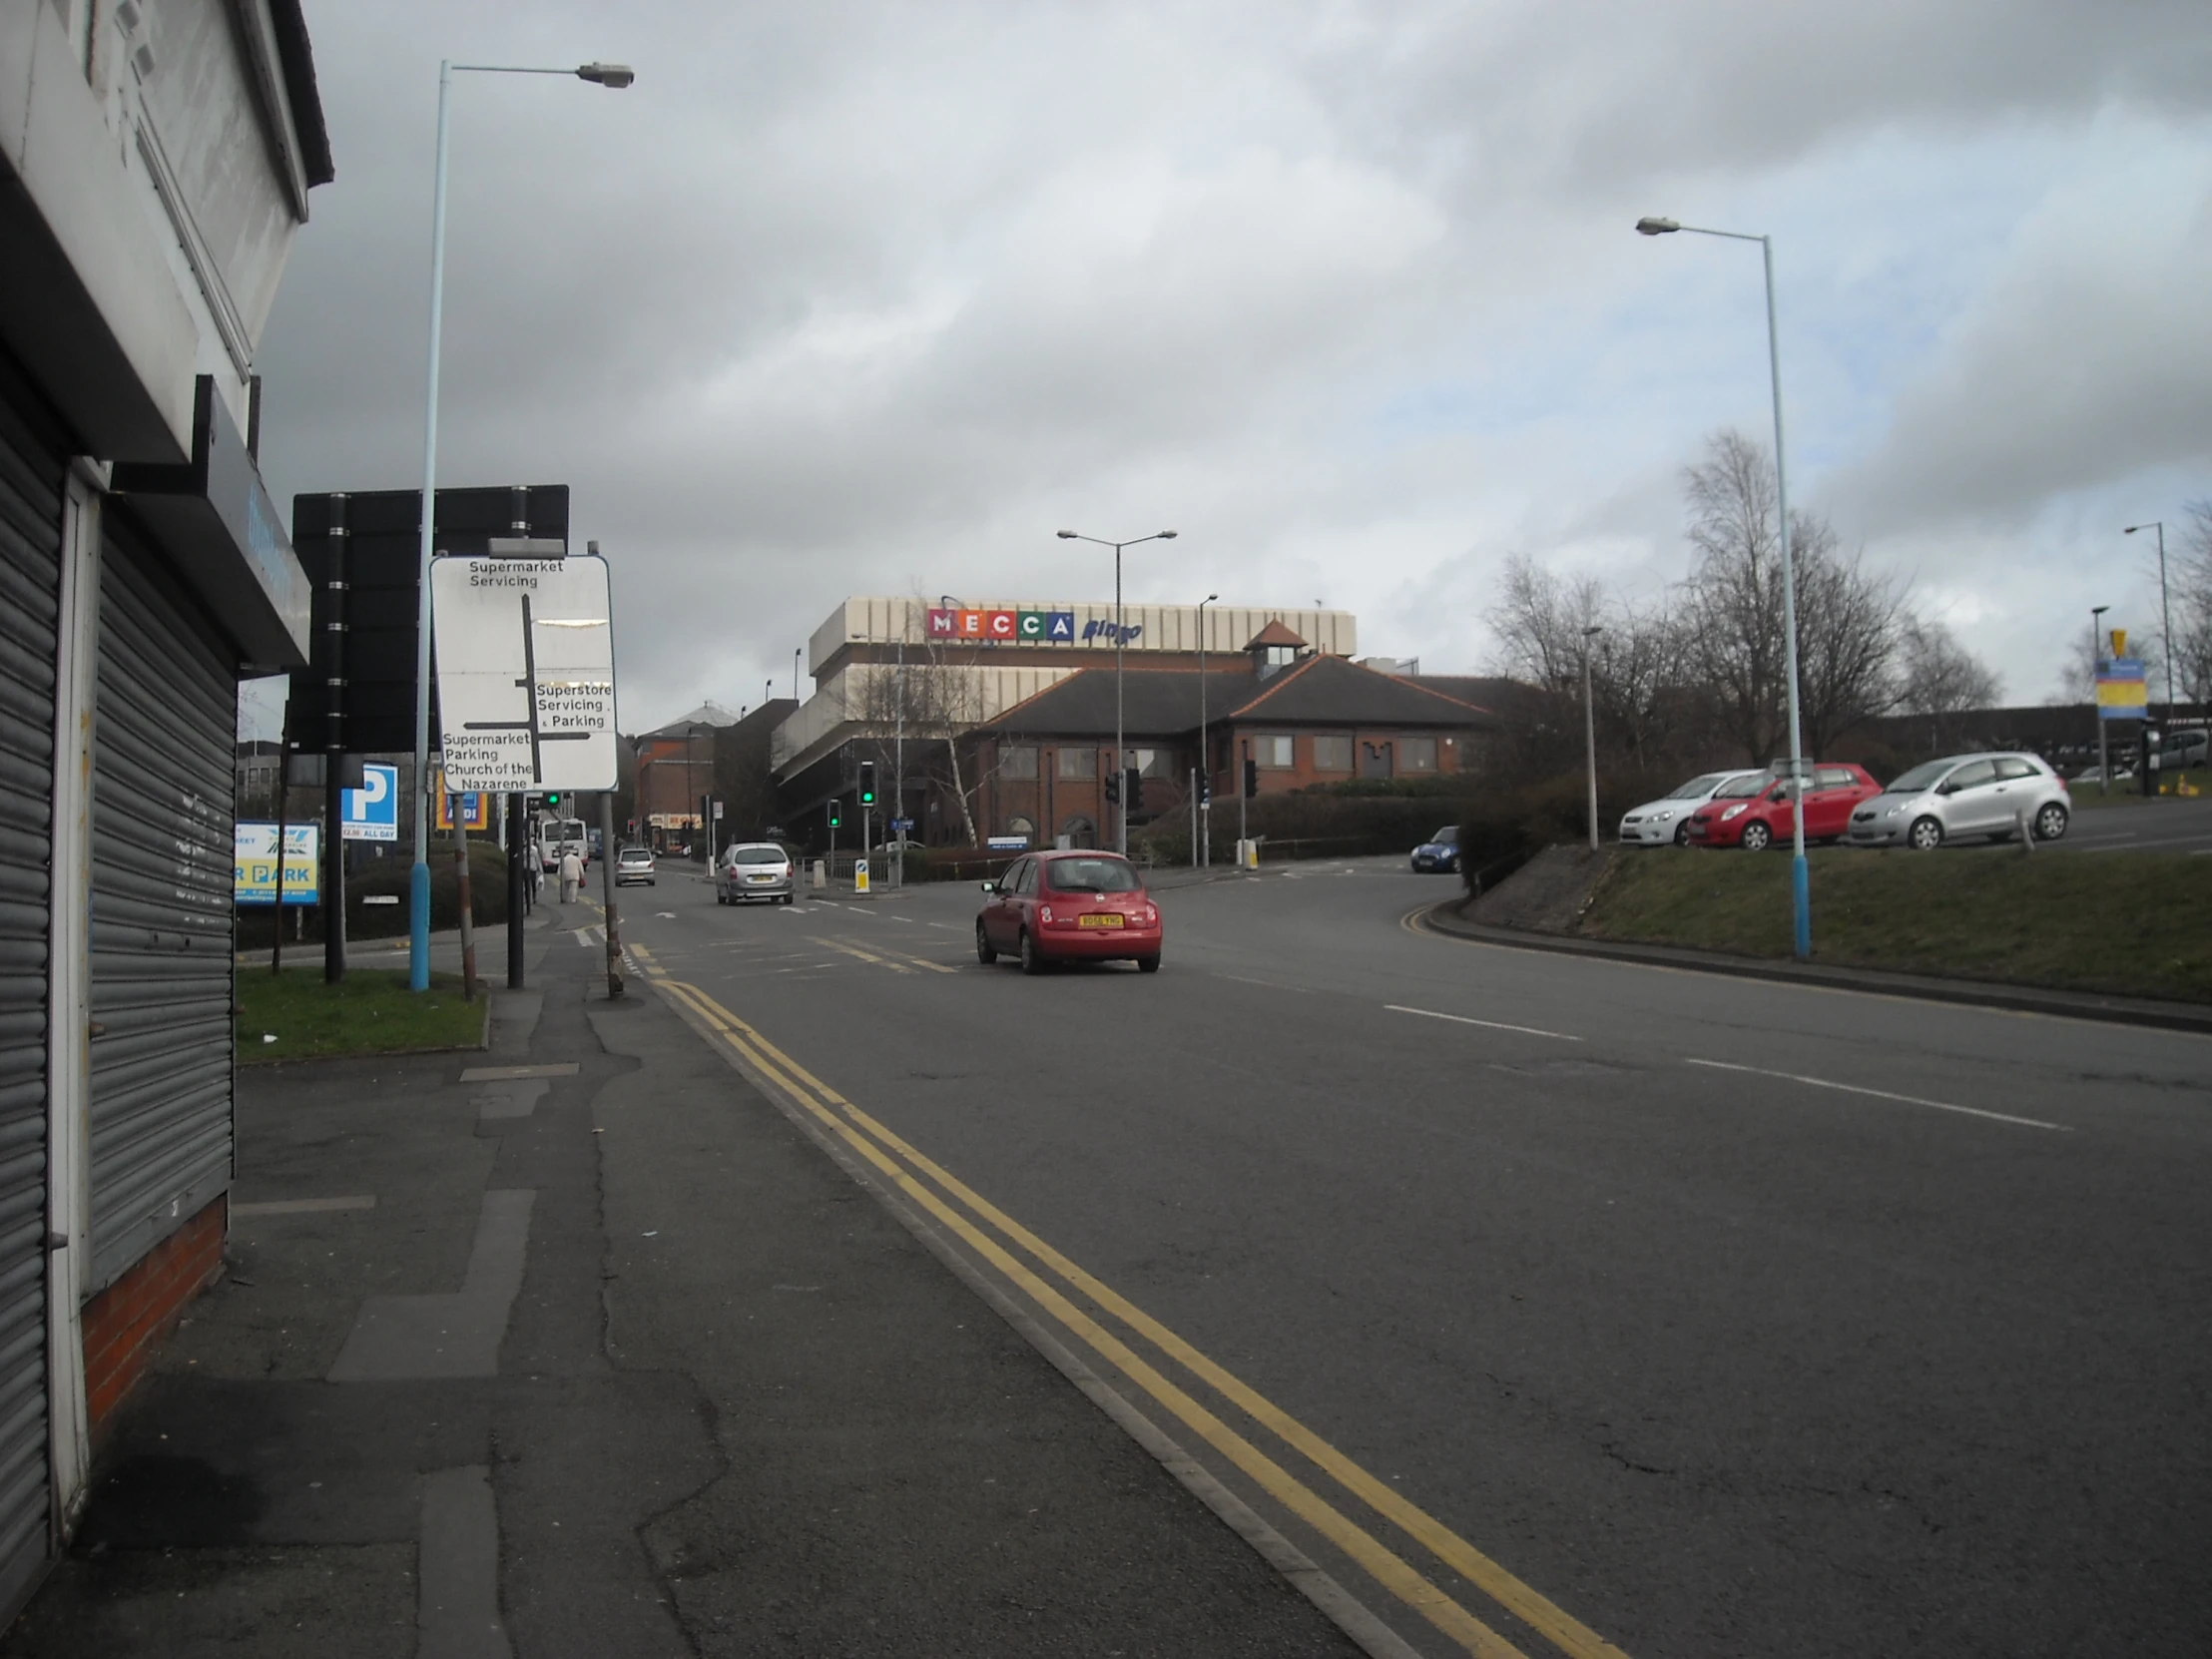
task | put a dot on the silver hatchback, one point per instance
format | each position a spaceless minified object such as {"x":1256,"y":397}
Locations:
{"x":753,"y":869}
{"x":1964,"y":796}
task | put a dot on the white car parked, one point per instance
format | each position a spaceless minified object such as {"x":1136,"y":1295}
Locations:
{"x":1964,"y":795}
{"x":1666,"y":821}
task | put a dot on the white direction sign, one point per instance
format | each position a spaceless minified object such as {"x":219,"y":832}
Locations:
{"x":526,"y":673}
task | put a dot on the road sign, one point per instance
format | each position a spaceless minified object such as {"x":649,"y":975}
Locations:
{"x":254,"y":880}
{"x":902,"y":824}
{"x":372,"y":812}
{"x":526,"y":671}
{"x":2121,"y":692}
{"x":859,"y":876}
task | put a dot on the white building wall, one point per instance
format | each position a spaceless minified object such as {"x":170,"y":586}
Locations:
{"x":881,"y":621}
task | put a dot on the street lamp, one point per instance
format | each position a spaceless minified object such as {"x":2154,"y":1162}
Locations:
{"x":1801,"y":888}
{"x":1589,"y":731}
{"x":1121,"y":833}
{"x":2096,"y":640}
{"x":1205,"y":755}
{"x":797,"y":651}
{"x":614,"y":76}
{"x":2165,"y":615}
{"x":691,"y":782}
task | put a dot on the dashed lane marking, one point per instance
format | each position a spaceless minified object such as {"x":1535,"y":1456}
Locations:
{"x":1486,"y":1024}
{"x":1882,"y":1094}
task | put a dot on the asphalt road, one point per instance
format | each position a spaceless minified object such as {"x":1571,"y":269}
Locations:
{"x":1609,"y":1304}
{"x":2143,"y":827}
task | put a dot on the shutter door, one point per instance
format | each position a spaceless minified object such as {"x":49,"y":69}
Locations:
{"x":30,"y":563}
{"x":166,"y":715}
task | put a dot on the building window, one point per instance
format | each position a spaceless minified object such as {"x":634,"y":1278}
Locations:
{"x":1078,"y":762}
{"x":1417,"y":753}
{"x":1017,"y":760}
{"x":1153,"y":763}
{"x":1272,"y":751}
{"x":1331,"y":754}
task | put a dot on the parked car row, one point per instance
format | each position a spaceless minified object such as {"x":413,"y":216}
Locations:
{"x":1963,"y":796}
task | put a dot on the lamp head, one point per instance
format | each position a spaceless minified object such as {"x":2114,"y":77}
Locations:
{"x":1209,"y":599}
{"x":1165,"y":535}
{"x":2099,"y":610}
{"x":1656,"y":226}
{"x":1066,"y":535}
{"x":1592,"y":633}
{"x":613,"y":76}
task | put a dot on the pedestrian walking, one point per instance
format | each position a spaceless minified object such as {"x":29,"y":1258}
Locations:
{"x":572,"y":876}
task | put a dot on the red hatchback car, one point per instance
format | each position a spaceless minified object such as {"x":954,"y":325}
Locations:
{"x":1756,"y":812}
{"x":1069,"y":907}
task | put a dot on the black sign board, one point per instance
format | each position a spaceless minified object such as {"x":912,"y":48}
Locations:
{"x":363,"y":552}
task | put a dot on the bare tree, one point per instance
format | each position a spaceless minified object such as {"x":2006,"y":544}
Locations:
{"x":1540,"y":622}
{"x":2192,"y":585}
{"x":1937,"y":675}
{"x":1732,"y":609}
{"x":937,"y":704}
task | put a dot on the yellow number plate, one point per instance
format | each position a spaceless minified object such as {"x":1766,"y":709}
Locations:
{"x":1101,"y":918}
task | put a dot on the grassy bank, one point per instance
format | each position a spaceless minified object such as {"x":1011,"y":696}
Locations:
{"x":372,"y":1012}
{"x":2129,"y":923}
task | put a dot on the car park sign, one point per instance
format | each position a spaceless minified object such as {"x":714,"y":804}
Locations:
{"x":372,"y":812}
{"x":2121,"y":690}
{"x":254,"y":880}
{"x":526,"y":671}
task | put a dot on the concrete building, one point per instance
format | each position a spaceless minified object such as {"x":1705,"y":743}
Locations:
{"x":154,"y":165}
{"x":904,"y":683}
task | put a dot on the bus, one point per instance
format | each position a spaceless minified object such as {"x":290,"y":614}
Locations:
{"x":559,"y":836}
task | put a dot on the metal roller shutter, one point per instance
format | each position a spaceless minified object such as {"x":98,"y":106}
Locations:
{"x":161,"y":912}
{"x":30,"y":551}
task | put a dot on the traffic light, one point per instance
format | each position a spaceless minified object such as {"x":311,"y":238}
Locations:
{"x":835,"y":818}
{"x":553,"y":800}
{"x":1113,"y":788}
{"x":1251,"y":777}
{"x":868,"y":782}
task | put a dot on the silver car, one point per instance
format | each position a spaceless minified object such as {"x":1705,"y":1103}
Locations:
{"x":1963,"y":795}
{"x":1666,"y":821}
{"x":753,"y":869}
{"x":636,"y":864}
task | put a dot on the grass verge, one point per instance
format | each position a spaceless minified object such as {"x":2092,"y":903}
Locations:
{"x":370,"y":1012}
{"x":2129,"y":923}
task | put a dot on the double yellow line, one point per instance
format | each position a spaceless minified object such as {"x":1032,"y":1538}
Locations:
{"x":904,"y":1166}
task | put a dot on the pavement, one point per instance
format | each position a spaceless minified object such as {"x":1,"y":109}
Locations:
{"x":581,"y":1346}
{"x":1552,"y":1305}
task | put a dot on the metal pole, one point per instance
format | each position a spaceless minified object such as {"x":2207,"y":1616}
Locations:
{"x":333,"y":864}
{"x":1244,"y":746}
{"x":1205,"y":833}
{"x":464,"y":900}
{"x":283,"y":766}
{"x":1589,"y":735}
{"x":2096,"y":709}
{"x":517,"y":886}
{"x":898,"y":754}
{"x":1121,"y":828}
{"x":2165,"y":622}
{"x":796,"y":650}
{"x":1800,"y":886}
{"x":607,"y":893}
{"x":1194,"y":818}
{"x":418,"y":887}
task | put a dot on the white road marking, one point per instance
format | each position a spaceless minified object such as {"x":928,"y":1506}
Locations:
{"x":1486,"y":1024}
{"x":664,"y":916}
{"x":582,"y":937}
{"x":948,"y":925}
{"x":908,"y":920}
{"x":1271,"y":984}
{"x":1882,"y":1094}
{"x":2170,"y":841}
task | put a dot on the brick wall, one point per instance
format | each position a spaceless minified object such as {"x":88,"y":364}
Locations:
{"x":126,"y":1322}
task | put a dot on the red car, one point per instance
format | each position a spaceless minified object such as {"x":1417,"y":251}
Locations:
{"x":1069,"y":907}
{"x":1756,"y":812}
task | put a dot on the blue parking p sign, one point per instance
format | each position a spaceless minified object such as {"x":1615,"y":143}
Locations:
{"x":372,"y":812}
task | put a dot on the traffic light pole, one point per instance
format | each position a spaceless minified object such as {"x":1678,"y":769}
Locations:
{"x":518,"y":847}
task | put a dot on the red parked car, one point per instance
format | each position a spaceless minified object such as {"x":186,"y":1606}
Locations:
{"x":1069,"y":907}
{"x":1756,"y":812}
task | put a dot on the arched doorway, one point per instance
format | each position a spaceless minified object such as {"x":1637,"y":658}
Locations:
{"x":1079,"y":830}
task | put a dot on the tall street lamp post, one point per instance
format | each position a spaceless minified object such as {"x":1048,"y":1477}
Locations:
{"x":1205,"y":755}
{"x":797,"y":651}
{"x":611,"y":74}
{"x":2165,"y":614}
{"x":691,"y":782}
{"x":1121,"y":827}
{"x":2096,"y":656}
{"x":1589,"y":731}
{"x":1800,"y":889}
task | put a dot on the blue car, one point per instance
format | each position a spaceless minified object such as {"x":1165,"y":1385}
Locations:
{"x":1440,"y":853}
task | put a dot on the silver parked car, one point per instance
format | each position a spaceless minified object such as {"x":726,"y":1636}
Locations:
{"x":1666,"y":821}
{"x":1965,"y":795}
{"x":753,"y":869}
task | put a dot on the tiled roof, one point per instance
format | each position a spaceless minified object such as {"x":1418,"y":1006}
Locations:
{"x":1321,"y":691}
{"x":1332,"y":691}
{"x":1273,"y":634}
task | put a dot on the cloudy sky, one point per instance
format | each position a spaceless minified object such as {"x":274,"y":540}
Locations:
{"x":854,"y":297}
